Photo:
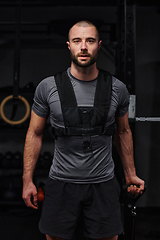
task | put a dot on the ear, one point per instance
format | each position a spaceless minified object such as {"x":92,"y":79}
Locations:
{"x":68,"y":44}
{"x":99,"y":44}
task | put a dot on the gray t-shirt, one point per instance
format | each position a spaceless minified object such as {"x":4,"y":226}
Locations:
{"x":71,"y":163}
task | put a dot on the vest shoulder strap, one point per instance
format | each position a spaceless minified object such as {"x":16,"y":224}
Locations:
{"x":65,"y":90}
{"x":103,"y":89}
{"x":67,"y":95}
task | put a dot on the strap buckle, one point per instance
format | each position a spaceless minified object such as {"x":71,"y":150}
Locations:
{"x":87,"y":145}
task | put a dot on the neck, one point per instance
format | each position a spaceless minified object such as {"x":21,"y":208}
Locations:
{"x":84,"y":74}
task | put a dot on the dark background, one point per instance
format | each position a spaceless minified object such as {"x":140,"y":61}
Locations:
{"x":43,"y":51}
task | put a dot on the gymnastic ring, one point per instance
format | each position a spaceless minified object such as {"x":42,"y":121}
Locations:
{"x":19,"y":121}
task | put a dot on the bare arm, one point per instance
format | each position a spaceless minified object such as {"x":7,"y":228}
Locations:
{"x":124,"y":145}
{"x":32,"y":149}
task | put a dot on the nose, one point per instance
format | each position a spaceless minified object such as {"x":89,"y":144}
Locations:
{"x":83,"y":45}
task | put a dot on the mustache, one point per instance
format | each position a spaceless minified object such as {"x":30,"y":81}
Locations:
{"x":84,"y":53}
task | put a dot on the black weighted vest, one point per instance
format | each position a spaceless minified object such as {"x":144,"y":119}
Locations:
{"x":84,"y":121}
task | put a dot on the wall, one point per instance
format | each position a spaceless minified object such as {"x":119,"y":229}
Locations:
{"x":147,"y":137}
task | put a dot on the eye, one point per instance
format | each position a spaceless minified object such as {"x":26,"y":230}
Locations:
{"x":91,"y":40}
{"x":76,"y":40}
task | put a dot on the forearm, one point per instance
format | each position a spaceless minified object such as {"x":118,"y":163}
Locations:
{"x":32,"y":149}
{"x":124,"y":145}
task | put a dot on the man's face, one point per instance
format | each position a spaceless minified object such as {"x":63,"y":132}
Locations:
{"x":83,"y":45}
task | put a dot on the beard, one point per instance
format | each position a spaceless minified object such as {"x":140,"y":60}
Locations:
{"x":84,"y":64}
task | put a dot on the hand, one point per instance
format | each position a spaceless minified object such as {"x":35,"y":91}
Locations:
{"x":136,"y":186}
{"x":29,"y":195}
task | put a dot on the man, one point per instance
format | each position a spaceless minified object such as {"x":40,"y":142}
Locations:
{"x":81,"y":178}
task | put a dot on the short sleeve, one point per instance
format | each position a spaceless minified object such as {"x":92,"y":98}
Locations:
{"x":40,"y":104}
{"x":124,"y":97}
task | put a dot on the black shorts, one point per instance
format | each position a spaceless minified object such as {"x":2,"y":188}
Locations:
{"x":98,"y":203}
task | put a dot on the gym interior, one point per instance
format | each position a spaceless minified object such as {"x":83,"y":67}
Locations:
{"x":33,"y":35}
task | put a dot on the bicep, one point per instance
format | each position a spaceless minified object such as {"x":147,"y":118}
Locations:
{"x":122,"y":123}
{"x":37,"y":124}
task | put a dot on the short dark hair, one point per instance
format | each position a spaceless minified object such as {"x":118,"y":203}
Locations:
{"x":85,"y":23}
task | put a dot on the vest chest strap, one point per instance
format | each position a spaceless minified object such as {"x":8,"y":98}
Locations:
{"x":73,"y":131}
